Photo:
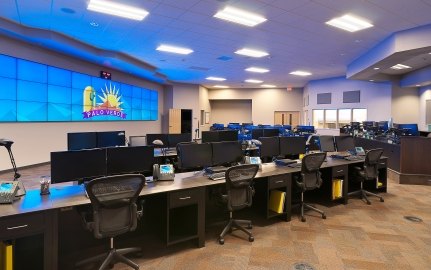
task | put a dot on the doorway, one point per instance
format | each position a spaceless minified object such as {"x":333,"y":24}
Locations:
{"x":286,"y":118}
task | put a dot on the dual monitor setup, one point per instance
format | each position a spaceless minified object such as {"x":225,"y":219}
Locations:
{"x":90,"y":140}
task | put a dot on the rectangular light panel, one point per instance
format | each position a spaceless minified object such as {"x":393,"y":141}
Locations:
{"x":253,"y":81}
{"x":173,"y":49}
{"x":116,"y":9}
{"x":257,"y":69}
{"x":349,"y":23}
{"x":400,"y":66}
{"x":300,"y":73}
{"x":251,"y":53}
{"x":219,"y":79}
{"x":239,"y":16}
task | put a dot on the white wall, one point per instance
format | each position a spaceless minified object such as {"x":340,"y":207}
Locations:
{"x":424,"y":95}
{"x":35,"y":141}
{"x":375,"y":97}
{"x":405,"y":104}
{"x":204,"y":104}
{"x":231,"y":111}
{"x":264,"y":101}
{"x":186,"y":96}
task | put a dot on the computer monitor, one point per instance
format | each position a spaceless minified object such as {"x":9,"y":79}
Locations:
{"x":137,"y":140}
{"x":270,"y":147}
{"x":344,"y":143}
{"x":368,"y":125}
{"x":271,"y":132}
{"x":411,"y":129}
{"x":228,"y":135}
{"x":111,"y":138}
{"x":81,"y":140}
{"x":293,"y":145}
{"x":138,"y":159}
{"x":210,"y":136}
{"x":327,"y":143}
{"x":257,"y":133}
{"x":226,"y":153}
{"x":174,"y":139}
{"x":162,"y":137}
{"x":305,"y":129}
{"x":355,"y":125}
{"x":383,"y":125}
{"x":193,"y":155}
{"x":77,"y":165}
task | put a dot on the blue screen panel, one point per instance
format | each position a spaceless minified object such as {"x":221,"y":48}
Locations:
{"x":80,"y":81}
{"x":8,"y":110}
{"x":154,"y":95}
{"x":146,"y":94}
{"x":137,"y":92}
{"x":146,"y":114}
{"x":31,"y":91}
{"x":136,"y":115}
{"x":77,"y":96}
{"x":154,"y":115}
{"x":126,"y":90}
{"x":154,"y":105}
{"x":58,"y":76}
{"x":58,"y":94}
{"x":31,"y":71}
{"x":136,"y":104}
{"x":8,"y":88}
{"x":8,"y":66}
{"x":59,"y":112}
{"x":146,"y":104}
{"x":31,"y":111}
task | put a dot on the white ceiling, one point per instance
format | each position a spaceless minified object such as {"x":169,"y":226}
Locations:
{"x":295,"y":35}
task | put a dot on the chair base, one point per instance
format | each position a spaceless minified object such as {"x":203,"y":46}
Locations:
{"x":236,"y":223}
{"x":363,"y":195}
{"x":113,"y":256}
{"x":304,"y":205}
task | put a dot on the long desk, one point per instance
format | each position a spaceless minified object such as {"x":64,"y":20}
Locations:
{"x":39,"y":215}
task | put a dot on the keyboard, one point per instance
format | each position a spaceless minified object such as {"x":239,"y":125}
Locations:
{"x":354,"y":158}
{"x":217,"y":176}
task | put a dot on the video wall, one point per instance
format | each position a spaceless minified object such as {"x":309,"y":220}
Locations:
{"x":34,"y":92}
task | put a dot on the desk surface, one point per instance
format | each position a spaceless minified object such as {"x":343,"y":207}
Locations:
{"x":63,"y":195}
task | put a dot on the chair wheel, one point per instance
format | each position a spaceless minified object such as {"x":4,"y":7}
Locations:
{"x":251,"y":239}
{"x":368,"y":203}
{"x":324,"y":216}
{"x":221,"y":241}
{"x":381,"y":199}
{"x":303,"y":219}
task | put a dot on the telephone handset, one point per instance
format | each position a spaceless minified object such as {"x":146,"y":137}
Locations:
{"x":8,"y":190}
{"x":163,"y":172}
{"x":253,"y":160}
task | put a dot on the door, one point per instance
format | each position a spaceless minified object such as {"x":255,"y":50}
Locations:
{"x":286,"y":118}
{"x":174,"y":121}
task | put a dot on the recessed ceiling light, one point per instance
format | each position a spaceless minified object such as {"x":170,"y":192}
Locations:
{"x":418,"y":85}
{"x":94,"y":24}
{"x":251,"y":53}
{"x":376,"y":68}
{"x":215,"y":79}
{"x":221,"y":86}
{"x":300,"y":73}
{"x":400,"y":66}
{"x":257,"y":69}
{"x":239,"y":16}
{"x":268,"y":85}
{"x":253,"y":81}
{"x":173,"y":49}
{"x":116,"y":9}
{"x":349,"y":23}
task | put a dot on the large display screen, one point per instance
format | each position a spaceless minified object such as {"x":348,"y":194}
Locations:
{"x":34,"y":92}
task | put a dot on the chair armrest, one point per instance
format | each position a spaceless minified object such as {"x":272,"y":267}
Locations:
{"x":140,"y":210}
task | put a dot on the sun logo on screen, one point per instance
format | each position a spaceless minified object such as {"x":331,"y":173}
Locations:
{"x":111,"y":98}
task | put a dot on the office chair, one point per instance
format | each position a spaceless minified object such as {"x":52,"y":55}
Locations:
{"x":369,"y":172}
{"x":239,"y":181}
{"x":114,"y":212}
{"x":309,"y":179}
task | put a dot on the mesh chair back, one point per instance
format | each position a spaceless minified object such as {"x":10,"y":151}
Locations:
{"x":310,"y":174}
{"x":371,"y":163}
{"x":239,"y":181}
{"x":113,"y":199}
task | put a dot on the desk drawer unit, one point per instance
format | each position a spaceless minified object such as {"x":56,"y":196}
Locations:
{"x":183,"y":198}
{"x":277,"y":181}
{"x":339,"y":171}
{"x":12,"y":227}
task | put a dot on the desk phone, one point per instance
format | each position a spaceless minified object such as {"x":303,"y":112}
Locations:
{"x":8,"y":190}
{"x":163,"y":172}
{"x":253,"y":160}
